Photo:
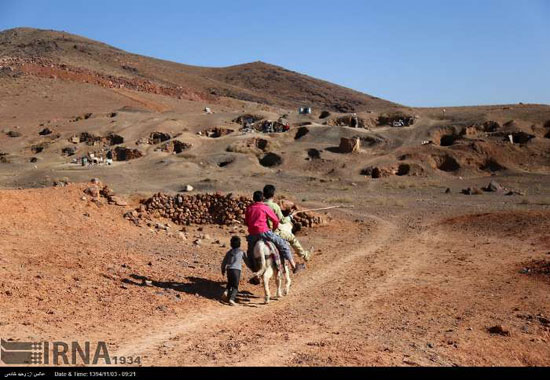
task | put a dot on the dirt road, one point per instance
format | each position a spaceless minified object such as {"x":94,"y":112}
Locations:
{"x":380,"y":294}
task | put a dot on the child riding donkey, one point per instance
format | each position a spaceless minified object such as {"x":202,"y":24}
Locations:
{"x":285,"y":224}
{"x":257,"y":216}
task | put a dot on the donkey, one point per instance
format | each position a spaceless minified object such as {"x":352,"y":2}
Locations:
{"x":264,"y":252}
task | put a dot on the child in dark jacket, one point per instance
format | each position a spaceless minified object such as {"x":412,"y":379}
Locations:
{"x":232,"y":262}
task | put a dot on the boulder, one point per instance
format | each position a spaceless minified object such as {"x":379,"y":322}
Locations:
{"x":349,"y":145}
{"x":117,"y":201}
{"x":495,"y":187}
{"x":92,"y":191}
{"x":498,"y":330}
{"x":473,"y":190}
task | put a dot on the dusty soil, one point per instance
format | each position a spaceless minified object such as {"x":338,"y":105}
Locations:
{"x":400,"y":288}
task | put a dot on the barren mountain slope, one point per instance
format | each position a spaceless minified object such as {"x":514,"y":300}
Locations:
{"x":258,"y":82}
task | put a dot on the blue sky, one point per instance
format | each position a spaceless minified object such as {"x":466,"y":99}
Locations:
{"x":418,"y":53}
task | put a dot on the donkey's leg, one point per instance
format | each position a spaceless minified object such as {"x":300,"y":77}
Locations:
{"x":279,"y":283}
{"x":288,"y":281}
{"x":266,"y":277}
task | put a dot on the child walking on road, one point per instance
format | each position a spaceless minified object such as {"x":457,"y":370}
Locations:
{"x":232,"y":262}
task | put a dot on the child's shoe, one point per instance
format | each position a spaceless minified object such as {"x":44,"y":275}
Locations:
{"x":307,"y":255}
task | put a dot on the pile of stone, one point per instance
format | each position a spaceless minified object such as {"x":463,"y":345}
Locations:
{"x":198,"y":209}
{"x":205,"y":208}
{"x":492,"y":187}
{"x":495,"y":187}
{"x":97,"y":191}
{"x":307,"y":220}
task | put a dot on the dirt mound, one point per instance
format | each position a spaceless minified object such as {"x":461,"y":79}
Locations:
{"x":526,"y":225}
{"x":253,"y":145}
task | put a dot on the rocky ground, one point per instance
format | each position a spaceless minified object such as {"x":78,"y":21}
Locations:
{"x":388,"y":285}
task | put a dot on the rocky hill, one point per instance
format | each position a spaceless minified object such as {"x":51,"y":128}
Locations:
{"x":257,"y":82}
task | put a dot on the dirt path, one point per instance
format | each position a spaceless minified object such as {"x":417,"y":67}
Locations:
{"x":328,"y":282}
{"x":412,"y":293}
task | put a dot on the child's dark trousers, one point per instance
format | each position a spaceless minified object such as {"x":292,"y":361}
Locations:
{"x":233,"y":278}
